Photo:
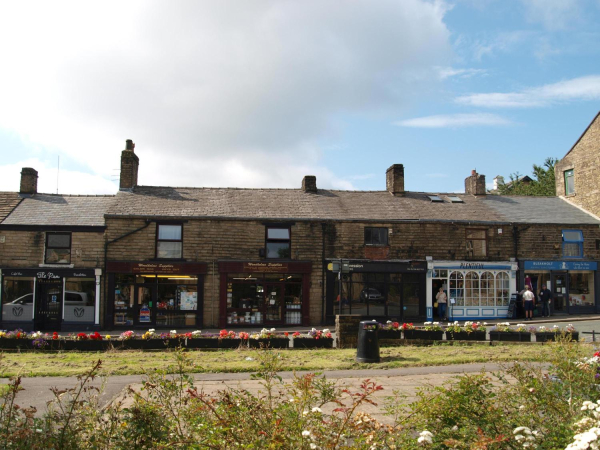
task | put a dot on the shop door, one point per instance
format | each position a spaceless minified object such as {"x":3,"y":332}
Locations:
{"x":273,"y":304}
{"x":144,"y":306}
{"x":560,"y":294}
{"x":48,"y":305}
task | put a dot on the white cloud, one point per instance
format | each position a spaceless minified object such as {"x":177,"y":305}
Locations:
{"x":577,"y":89}
{"x":454,"y":121}
{"x":226,"y":93}
{"x":449,"y":72}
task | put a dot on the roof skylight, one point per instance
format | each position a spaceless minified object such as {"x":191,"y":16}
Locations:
{"x":435,"y":199}
{"x":455,"y":199}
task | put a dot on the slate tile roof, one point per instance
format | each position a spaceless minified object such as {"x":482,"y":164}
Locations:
{"x":8,"y":201}
{"x":67,"y":210}
{"x":295,"y":204}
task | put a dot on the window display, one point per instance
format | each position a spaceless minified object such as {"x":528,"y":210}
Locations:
{"x":17,"y":299}
{"x":80,"y":300}
{"x":581,"y":288}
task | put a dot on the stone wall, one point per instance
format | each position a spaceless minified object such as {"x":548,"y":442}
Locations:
{"x":584,"y":159}
{"x":346,"y":330}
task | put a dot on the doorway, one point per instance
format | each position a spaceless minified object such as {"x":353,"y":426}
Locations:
{"x":560,"y":292}
{"x":273,"y":304}
{"x":48,"y":305}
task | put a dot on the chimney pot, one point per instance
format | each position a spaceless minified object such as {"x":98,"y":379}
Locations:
{"x":29,"y":177}
{"x":394,"y":179}
{"x":129,"y":167}
{"x":309,"y":184}
{"x":473,"y":172}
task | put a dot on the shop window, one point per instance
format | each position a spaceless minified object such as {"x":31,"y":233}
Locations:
{"x":569,"y":182}
{"x":169,"y":241}
{"x":572,"y":243}
{"x":58,"y":248}
{"x":278,"y":242}
{"x":80,"y":300}
{"x":476,"y":243}
{"x":502,"y":289}
{"x":581,"y":288}
{"x":177,"y":302}
{"x":457,"y":291}
{"x":376,"y":236}
{"x":471,"y":289}
{"x":17,"y":299}
{"x":487,"y":289}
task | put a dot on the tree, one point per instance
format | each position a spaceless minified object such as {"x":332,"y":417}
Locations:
{"x":544,"y":184}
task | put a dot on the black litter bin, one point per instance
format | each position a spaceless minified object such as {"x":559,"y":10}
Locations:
{"x":367,"y":350}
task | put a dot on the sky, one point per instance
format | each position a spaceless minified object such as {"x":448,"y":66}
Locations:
{"x":260,"y":93}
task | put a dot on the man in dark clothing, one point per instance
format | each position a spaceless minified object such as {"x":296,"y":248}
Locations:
{"x":545,"y":297}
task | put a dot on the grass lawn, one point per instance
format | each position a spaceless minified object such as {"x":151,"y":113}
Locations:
{"x":39,"y":364}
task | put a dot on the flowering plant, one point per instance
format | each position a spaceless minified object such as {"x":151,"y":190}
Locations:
{"x":224,"y":334}
{"x":265,"y":334}
{"x":368,"y":326}
{"x":504,"y":327}
{"x":474,"y":326}
{"x":243,"y":335}
{"x":148,"y":334}
{"x":521,"y":327}
{"x":454,"y":327}
{"x":389,"y":325}
{"x":317,"y":334}
{"x":95,"y":336}
{"x":408,"y":326}
{"x":127,"y":335}
{"x":81,"y":336}
{"x":432,"y":326}
{"x":296,"y":334}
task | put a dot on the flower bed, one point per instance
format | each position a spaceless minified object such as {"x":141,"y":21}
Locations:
{"x":469,"y":331}
{"x":313,"y":339}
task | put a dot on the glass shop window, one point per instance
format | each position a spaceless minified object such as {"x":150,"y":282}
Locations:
{"x":177,"y":302}
{"x":278,"y":242}
{"x":80,"y":299}
{"x":124,"y":298}
{"x":581,"y":288}
{"x":17,"y":299}
{"x":58,"y":248}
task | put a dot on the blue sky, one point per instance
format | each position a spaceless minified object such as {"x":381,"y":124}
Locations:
{"x":258,"y":94}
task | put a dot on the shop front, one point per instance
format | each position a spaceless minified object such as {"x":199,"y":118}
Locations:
{"x":475,"y":290}
{"x":265,"y":294}
{"x":573,"y":284}
{"x":155,"y":295}
{"x":50,"y":299}
{"x":377,"y":290}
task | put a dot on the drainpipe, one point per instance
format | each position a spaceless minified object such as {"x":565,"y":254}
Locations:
{"x":323,"y":272}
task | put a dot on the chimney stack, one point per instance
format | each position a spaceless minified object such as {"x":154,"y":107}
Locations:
{"x":394,"y":180}
{"x":309,"y":184}
{"x":475,"y":184}
{"x":129,"y":167}
{"x":29,"y":178}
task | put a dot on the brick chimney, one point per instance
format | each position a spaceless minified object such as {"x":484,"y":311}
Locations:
{"x":475,"y":184}
{"x":129,"y":167}
{"x":394,"y":180}
{"x":309,"y":184}
{"x":29,"y":179}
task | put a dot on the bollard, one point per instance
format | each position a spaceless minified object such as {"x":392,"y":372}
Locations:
{"x":367,"y":350}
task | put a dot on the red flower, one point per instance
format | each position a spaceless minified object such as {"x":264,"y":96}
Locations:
{"x":395,"y":325}
{"x":286,"y":334}
{"x":55,"y":335}
{"x":223,"y":333}
{"x":296,"y":334}
{"x":82,"y":336}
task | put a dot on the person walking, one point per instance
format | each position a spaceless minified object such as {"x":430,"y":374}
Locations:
{"x":528,"y":303}
{"x":545,"y":297}
{"x":442,"y":301}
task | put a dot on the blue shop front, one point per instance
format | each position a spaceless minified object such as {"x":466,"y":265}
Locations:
{"x":574,"y":284}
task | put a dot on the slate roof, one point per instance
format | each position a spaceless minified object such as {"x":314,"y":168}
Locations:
{"x":295,"y":204}
{"x":8,"y":201}
{"x":61,"y":210}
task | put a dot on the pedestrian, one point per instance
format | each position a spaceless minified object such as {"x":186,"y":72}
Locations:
{"x":545,"y":298}
{"x":528,"y":303}
{"x":442,"y":301}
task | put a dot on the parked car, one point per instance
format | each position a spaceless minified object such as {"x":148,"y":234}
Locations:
{"x":371,"y":295}
{"x":71,"y":298}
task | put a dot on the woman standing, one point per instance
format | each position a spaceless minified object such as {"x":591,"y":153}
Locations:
{"x":442,"y":303}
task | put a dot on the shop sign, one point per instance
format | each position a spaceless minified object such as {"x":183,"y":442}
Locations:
{"x":265,"y":267}
{"x":560,"y":265}
{"x":169,"y":269}
{"x":473,"y":266}
{"x":54,"y":274}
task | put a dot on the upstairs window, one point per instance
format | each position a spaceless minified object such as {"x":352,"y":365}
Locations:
{"x":572,"y":243}
{"x":376,"y":236}
{"x":278,"y":242}
{"x":169,"y":241}
{"x":58,"y":248}
{"x":569,"y":182}
{"x":476,"y":243}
